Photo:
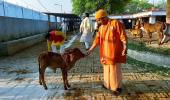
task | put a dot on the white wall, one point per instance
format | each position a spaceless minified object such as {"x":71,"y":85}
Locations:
{"x":44,"y":17}
{"x":152,"y":19}
{"x":36,"y":15}
{"x":58,"y":19}
{"x":11,"y":10}
{"x":27,"y":13}
{"x":52,"y":18}
{"x":1,"y":9}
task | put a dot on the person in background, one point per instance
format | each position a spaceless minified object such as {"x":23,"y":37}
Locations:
{"x":55,"y":39}
{"x":49,"y":41}
{"x":112,"y":40}
{"x":86,"y":28}
{"x":64,"y":27}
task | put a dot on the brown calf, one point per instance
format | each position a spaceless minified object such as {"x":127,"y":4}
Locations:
{"x":54,"y":60}
{"x":136,"y":33}
{"x":151,"y":28}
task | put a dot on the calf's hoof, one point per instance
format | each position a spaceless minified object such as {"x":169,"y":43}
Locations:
{"x":115,"y":93}
{"x":68,"y":86}
{"x":65,"y":88}
{"x":45,"y":88}
{"x":160,"y":43}
{"x":40,"y":83}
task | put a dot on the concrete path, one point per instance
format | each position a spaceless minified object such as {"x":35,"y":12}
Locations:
{"x":19,"y":80}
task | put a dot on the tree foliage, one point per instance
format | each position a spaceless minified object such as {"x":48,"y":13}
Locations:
{"x":161,"y":5}
{"x":135,"y":6}
{"x":114,"y":6}
{"x":111,"y":6}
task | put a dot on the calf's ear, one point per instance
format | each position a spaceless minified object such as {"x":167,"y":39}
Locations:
{"x":71,"y":57}
{"x":84,"y":55}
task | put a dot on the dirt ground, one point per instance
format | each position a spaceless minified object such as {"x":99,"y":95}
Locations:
{"x":19,"y":79}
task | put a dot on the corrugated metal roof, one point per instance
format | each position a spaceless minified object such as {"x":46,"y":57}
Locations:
{"x":63,"y":15}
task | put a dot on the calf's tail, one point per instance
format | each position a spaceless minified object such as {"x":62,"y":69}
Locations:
{"x":39,"y":66}
{"x":164,"y":28}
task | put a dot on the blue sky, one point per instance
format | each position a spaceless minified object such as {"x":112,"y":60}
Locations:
{"x":56,"y":6}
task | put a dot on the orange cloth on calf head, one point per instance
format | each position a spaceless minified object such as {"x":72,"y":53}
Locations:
{"x":100,"y":13}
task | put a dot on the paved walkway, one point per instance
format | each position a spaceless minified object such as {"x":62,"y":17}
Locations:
{"x":19,"y":80}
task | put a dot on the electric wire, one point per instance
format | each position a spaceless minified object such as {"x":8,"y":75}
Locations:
{"x":43,"y":5}
{"x":33,"y":7}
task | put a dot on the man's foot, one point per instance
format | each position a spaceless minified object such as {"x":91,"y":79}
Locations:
{"x":119,"y":90}
{"x":115,"y":93}
{"x":104,"y":86}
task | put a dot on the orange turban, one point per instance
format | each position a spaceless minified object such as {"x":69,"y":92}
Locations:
{"x":100,"y":13}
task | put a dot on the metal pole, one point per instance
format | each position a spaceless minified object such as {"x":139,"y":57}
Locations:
{"x":3,"y":2}
{"x":61,"y":8}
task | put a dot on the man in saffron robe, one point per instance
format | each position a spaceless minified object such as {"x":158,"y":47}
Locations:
{"x":112,"y":39}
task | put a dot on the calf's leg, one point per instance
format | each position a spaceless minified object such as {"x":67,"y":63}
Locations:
{"x":42,"y":78}
{"x":160,"y":36}
{"x":67,"y":80}
{"x":64,"y":78}
{"x":150,"y":36}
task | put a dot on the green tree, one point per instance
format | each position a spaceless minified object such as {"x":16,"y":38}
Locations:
{"x":135,"y":6}
{"x":78,"y":6}
{"x":161,"y":5}
{"x":112,"y":6}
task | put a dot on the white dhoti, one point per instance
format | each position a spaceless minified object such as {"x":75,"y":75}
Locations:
{"x":112,"y":76}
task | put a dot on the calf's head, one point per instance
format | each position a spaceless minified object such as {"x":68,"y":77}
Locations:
{"x":74,"y":54}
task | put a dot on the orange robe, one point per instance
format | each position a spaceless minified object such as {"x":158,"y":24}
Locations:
{"x":110,"y":38}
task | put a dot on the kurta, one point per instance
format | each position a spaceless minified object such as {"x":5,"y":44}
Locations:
{"x":64,"y":28}
{"x":86,"y":29}
{"x":110,"y":38}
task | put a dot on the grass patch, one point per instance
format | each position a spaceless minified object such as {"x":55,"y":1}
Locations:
{"x":148,"y":67}
{"x":134,"y":45}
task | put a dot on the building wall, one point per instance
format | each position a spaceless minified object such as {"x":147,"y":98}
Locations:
{"x":15,"y":28}
{"x":11,"y":47}
{"x":20,"y":28}
{"x":19,"y":22}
